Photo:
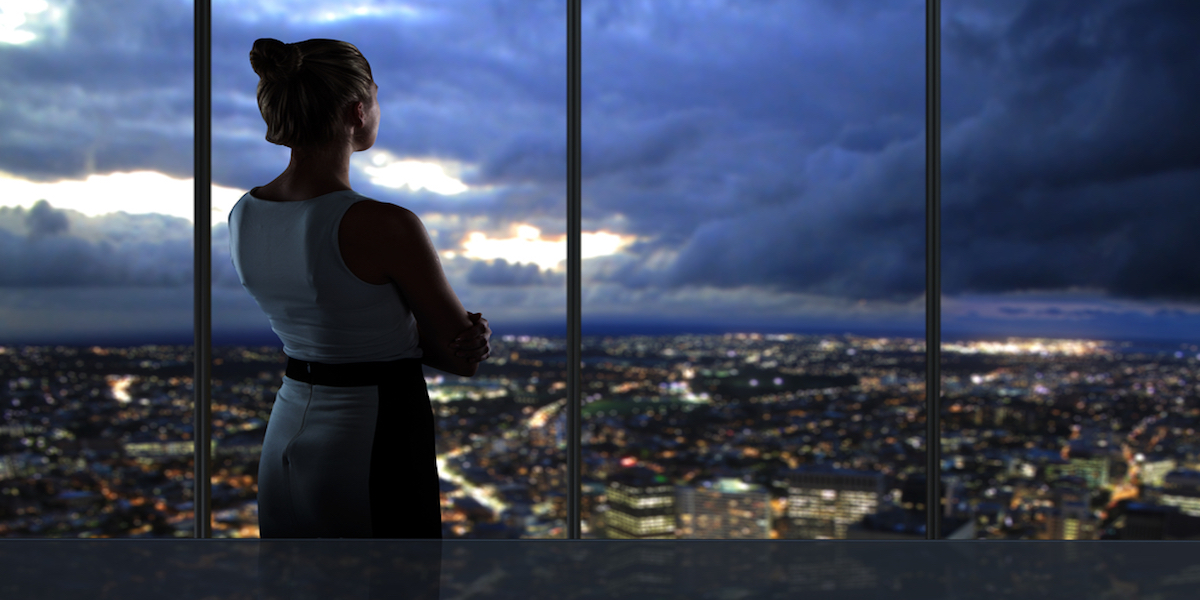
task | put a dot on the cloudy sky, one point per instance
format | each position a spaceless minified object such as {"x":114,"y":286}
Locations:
{"x":749,"y":165}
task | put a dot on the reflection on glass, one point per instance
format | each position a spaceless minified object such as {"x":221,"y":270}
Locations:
{"x":96,"y":270}
{"x":1070,"y":359}
{"x":753,"y":348}
{"x":471,"y":139}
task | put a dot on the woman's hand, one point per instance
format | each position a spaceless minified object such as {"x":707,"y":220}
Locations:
{"x":472,"y":343}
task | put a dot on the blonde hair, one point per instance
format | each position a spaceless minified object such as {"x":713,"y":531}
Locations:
{"x":304,"y":86}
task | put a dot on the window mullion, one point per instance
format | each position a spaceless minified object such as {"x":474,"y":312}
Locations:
{"x":202,"y":270}
{"x":574,"y":258}
{"x":933,"y":268}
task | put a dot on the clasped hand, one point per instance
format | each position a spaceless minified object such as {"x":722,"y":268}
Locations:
{"x":472,"y":343}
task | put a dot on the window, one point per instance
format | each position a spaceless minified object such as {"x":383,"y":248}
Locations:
{"x":1069,"y":356}
{"x":751,"y":236}
{"x":96,"y":227}
{"x":760,"y":183}
{"x":470,"y":139}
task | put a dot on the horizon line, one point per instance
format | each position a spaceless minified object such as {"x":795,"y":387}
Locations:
{"x":634,"y":328}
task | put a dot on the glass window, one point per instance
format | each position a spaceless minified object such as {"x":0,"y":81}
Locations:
{"x":1070,"y":330}
{"x":96,"y":269}
{"x":753,"y":265}
{"x":471,"y":139}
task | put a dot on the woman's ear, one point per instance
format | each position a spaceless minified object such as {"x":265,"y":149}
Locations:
{"x":360,"y":114}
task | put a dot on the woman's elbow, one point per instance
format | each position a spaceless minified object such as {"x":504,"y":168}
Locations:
{"x":466,"y":369}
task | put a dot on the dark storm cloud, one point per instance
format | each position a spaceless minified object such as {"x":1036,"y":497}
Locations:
{"x":793,"y":165}
{"x":42,"y":219}
{"x":775,"y":145}
{"x":1069,"y":162}
{"x":1080,"y":169}
{"x":113,"y":250}
{"x":480,"y":83}
{"x":113,"y":94}
{"x":842,"y":239}
{"x":500,"y":272}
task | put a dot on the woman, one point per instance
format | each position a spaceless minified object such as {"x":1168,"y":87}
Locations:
{"x":354,"y":289}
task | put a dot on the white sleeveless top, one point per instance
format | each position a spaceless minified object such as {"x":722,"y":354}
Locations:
{"x":286,"y":255}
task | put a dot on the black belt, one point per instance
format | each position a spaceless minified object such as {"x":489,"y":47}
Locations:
{"x":350,"y":374}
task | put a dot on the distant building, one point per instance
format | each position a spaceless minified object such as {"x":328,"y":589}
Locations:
{"x":1072,"y":521}
{"x":592,"y":505}
{"x":1071,"y":516}
{"x":1153,"y":469}
{"x":1181,"y":488}
{"x":1144,"y":522}
{"x":728,"y":509}
{"x":163,"y":449}
{"x":824,"y":502}
{"x":954,"y":495}
{"x":1157,"y":522}
{"x":1092,"y":468}
{"x":954,"y":490}
{"x":641,"y":505}
{"x":1070,"y":489}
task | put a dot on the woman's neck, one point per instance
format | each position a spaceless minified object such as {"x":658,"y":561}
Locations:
{"x":310,"y":173}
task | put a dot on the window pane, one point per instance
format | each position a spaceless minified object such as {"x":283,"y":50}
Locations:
{"x":754,"y":269}
{"x":471,"y":139}
{"x":1070,"y":318}
{"x":96,"y":269}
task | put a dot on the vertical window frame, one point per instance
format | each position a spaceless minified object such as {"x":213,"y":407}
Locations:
{"x":933,"y":269}
{"x":202,"y":271}
{"x":574,"y":261}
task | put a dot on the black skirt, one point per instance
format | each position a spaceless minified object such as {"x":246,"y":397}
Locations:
{"x":349,"y":453}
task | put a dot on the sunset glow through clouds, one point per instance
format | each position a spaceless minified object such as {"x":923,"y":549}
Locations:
{"x":305,"y":11}
{"x":528,"y":246}
{"x":14,"y":17}
{"x":139,"y":192}
{"x":387,"y":171}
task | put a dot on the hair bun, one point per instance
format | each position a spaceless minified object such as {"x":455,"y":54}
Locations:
{"x":274,"y":60}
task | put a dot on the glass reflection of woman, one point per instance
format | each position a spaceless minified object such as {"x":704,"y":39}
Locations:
{"x":355,"y":290}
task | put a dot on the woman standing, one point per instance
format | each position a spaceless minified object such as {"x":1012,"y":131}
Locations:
{"x":354,"y":289}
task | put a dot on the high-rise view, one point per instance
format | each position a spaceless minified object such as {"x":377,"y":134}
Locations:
{"x":753,"y":264}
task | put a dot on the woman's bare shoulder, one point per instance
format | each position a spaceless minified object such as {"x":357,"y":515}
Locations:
{"x":372,"y":218}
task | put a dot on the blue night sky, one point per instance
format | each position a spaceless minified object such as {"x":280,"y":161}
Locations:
{"x":747,"y":165}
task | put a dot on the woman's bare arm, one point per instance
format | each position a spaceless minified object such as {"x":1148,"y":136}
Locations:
{"x":381,"y":242}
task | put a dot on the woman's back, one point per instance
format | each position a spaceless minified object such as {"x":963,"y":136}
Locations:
{"x":349,"y":447}
{"x":287,"y":256}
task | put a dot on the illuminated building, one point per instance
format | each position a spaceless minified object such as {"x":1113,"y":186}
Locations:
{"x":1072,"y":521}
{"x":824,"y":502}
{"x":728,"y":509}
{"x":1071,"y":517}
{"x":173,"y":449}
{"x":1182,"y":488}
{"x":1153,"y":469}
{"x":1093,"y":469}
{"x":641,"y":505}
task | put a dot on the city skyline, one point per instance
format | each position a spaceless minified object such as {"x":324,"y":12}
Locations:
{"x":815,"y":436}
